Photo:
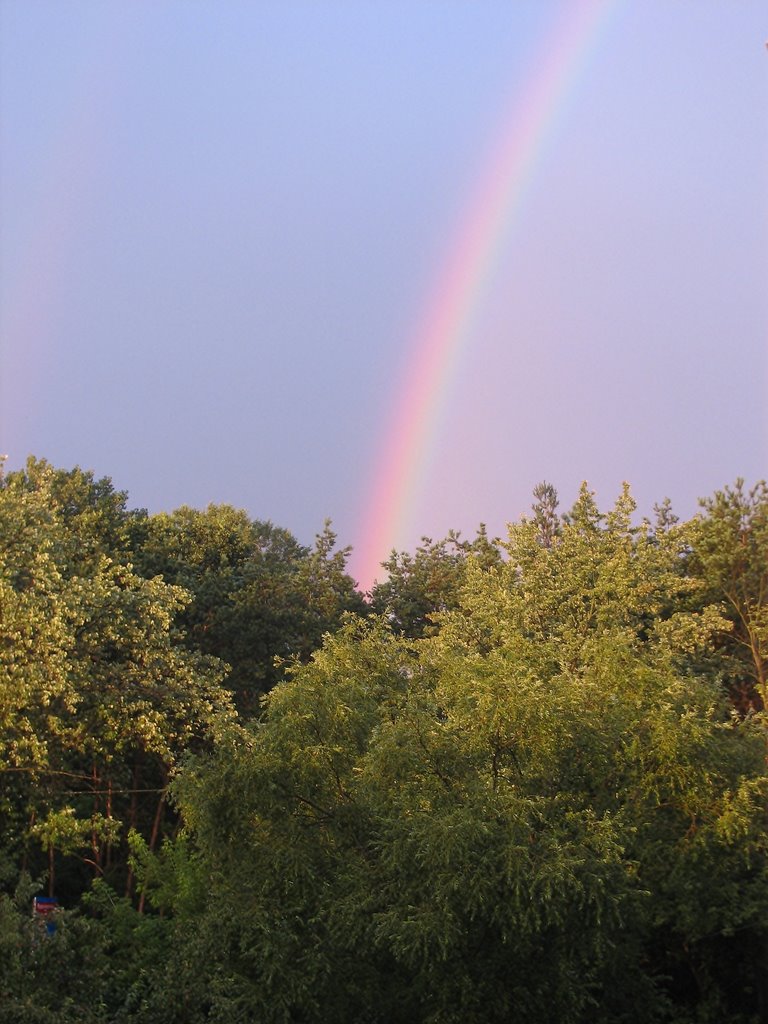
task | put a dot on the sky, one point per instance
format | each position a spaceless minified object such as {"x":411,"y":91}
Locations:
{"x":391,"y":263}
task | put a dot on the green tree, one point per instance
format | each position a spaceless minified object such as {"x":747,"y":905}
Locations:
{"x":97,"y":697}
{"x":421,"y":585}
{"x":729,"y":554}
{"x":94,"y":515}
{"x":257,"y":594}
{"x":543,"y":811}
{"x":545,"y":514}
{"x":105,"y":966}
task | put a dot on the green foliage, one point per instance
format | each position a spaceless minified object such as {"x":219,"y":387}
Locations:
{"x":533,"y":787}
{"x":94,"y":515}
{"x":422,"y":585}
{"x":257,"y":594}
{"x":538,"y":813}
{"x":109,"y":966}
{"x":97,"y":700}
{"x":729,"y":553}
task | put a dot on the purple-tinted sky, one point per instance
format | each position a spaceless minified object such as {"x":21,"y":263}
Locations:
{"x":221,"y":221}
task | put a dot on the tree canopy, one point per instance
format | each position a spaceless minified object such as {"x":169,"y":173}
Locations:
{"x":526,"y":780}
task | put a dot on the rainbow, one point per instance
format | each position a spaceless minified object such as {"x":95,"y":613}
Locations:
{"x":444,"y":328}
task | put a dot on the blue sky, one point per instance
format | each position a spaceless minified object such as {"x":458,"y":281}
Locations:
{"x":220,"y":222}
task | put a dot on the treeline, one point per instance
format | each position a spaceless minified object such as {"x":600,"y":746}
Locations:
{"x":519,"y":781}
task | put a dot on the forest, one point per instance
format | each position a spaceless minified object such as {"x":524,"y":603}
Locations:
{"x":521,"y":780}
